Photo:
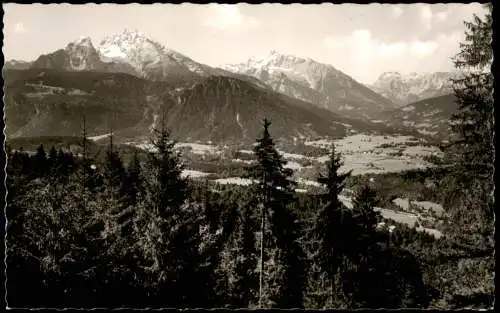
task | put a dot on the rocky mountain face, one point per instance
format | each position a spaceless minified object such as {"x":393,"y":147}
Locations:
{"x":215,"y":108}
{"x":314,"y":82}
{"x":404,"y":89}
{"x":129,"y":52}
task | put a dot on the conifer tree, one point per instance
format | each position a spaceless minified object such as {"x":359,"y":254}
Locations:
{"x":114,"y":170}
{"x":166,"y":227}
{"x":365,"y":216}
{"x":61,"y":166}
{"x":112,"y":206}
{"x":279,"y":231}
{"x":473,"y":124}
{"x":330,"y":232}
{"x":111,"y":203}
{"x":470,"y":203}
{"x":40,"y":161}
{"x":86,"y":173}
{"x":165,"y":167}
{"x":53,"y":158}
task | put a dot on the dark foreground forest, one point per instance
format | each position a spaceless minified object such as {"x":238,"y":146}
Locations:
{"x":83,"y":232}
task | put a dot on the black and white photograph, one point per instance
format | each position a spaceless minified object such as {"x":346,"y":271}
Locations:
{"x":249,"y":156}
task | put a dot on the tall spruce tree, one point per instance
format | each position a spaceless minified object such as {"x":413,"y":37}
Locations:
{"x":112,"y":208}
{"x":470,"y":209}
{"x":86,"y":173}
{"x":114,"y":170}
{"x":329,"y":232}
{"x":283,"y":286}
{"x":167,"y":228}
{"x":53,"y":160}
{"x":473,"y":124}
{"x":40,"y":162}
{"x":112,"y":190}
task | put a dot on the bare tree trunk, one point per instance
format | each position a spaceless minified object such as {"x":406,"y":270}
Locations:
{"x":261,"y":255}
{"x":263,"y":215}
{"x":84,"y":182}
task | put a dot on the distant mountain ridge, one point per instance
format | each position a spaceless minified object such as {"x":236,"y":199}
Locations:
{"x":311,"y":81}
{"x":17,"y":64}
{"x":139,"y":80}
{"x":46,"y":102}
{"x":133,"y":53}
{"x":129,"y":52}
{"x":404,"y":89}
{"x":429,"y":117}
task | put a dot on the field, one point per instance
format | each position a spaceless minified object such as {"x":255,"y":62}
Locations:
{"x":362,"y":154}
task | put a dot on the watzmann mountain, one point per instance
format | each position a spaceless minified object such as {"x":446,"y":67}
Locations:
{"x":128,"y":52}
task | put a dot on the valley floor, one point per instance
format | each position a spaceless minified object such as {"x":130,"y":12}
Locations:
{"x":363,"y":154}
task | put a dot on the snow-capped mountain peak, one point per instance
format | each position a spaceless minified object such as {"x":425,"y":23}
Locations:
{"x":307,"y":79}
{"x":275,"y":66}
{"x":131,"y":46}
{"x":414,"y":86}
{"x":142,"y":52}
{"x":130,"y":51}
{"x":389,"y":75}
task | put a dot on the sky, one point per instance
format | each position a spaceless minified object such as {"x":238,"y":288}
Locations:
{"x":363,"y":41}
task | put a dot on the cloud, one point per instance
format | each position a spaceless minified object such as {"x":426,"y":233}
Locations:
{"x":422,"y":49}
{"x":360,"y":43}
{"x":361,"y":49}
{"x":19,"y":28}
{"x":397,"y":11}
{"x":228,"y":16}
{"x":442,"y":16}
{"x":391,"y":50}
{"x":364,"y":47}
{"x":365,"y":56}
{"x":426,"y":16}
